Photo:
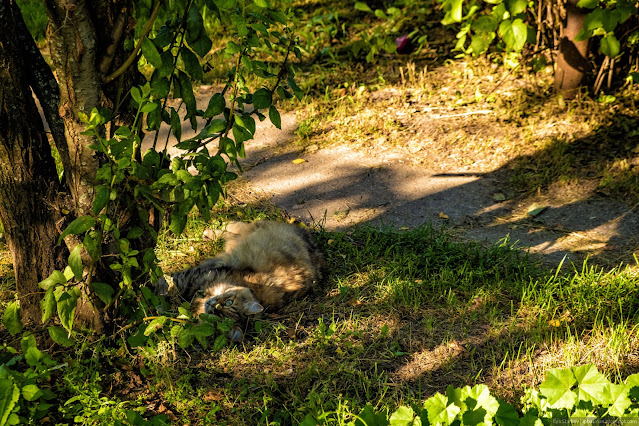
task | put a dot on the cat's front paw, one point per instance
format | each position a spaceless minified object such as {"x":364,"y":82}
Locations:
{"x":236,"y":335}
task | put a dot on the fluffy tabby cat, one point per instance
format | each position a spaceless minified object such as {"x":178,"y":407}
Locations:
{"x":264,"y":265}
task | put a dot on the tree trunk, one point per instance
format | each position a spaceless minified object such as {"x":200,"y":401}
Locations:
{"x":29,"y":184}
{"x":572,"y":61}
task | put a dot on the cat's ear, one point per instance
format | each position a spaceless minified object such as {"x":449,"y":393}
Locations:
{"x":254,"y":308}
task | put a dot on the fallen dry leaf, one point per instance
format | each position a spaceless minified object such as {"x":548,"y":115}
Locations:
{"x":444,"y":216}
{"x":299,"y":161}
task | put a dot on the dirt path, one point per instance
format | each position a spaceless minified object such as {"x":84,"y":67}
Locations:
{"x":342,"y":186}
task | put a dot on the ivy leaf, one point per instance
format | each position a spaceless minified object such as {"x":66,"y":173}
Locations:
{"x":151,"y":53}
{"x":61,"y":336}
{"x":75,"y":261}
{"x":78,"y":226}
{"x":556,"y":388}
{"x":11,"y":318}
{"x":439,"y":411}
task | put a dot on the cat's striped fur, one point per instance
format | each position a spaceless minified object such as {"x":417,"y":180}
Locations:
{"x":264,"y":265}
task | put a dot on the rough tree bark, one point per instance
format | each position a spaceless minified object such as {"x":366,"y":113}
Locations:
{"x":29,"y":185}
{"x":86,"y":44}
{"x":572,"y":61}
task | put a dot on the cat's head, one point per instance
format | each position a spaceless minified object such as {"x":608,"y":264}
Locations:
{"x":235,"y":303}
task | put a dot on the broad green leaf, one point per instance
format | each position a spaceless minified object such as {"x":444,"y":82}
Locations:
{"x":368,"y":416}
{"x":139,"y":338}
{"x":101,"y":199}
{"x":33,"y":356}
{"x":48,"y":304}
{"x":11,"y":318}
{"x":185,"y":338}
{"x":151,"y":53}
{"x":262,"y":98}
{"x":136,"y":94}
{"x":203,"y":329}
{"x":514,"y":34}
{"x":240,"y":25}
{"x":609,"y":45}
{"x":481,"y":394}
{"x":454,"y":13}
{"x":557,"y":388}
{"x":515,"y":7}
{"x":308,"y":421}
{"x":78,"y":226}
{"x":155,"y":325}
{"x":186,"y":93}
{"x":196,"y":37}
{"x":261,"y":3}
{"x":67,"y":302}
{"x":617,"y":397}
{"x":177,"y":222}
{"x":481,"y":42}
{"x":103,"y":291}
{"x":403,"y":416}
{"x":61,"y":336}
{"x":31,"y":392}
{"x":506,"y":415}
{"x":591,"y":383}
{"x":225,"y":4}
{"x":176,"y":124}
{"x":75,"y":261}
{"x":439,"y":411}
{"x":9,"y":395}
{"x":274,"y":116}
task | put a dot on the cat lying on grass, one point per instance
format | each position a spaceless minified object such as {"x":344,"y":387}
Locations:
{"x":264,"y":266}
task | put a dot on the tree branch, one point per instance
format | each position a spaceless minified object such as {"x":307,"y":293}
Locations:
{"x":138,"y":46}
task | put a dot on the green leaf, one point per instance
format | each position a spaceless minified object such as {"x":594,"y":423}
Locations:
{"x":139,"y":338}
{"x":362,"y":7}
{"x":609,"y":45}
{"x":617,"y":397}
{"x":78,"y":226}
{"x":203,"y":329}
{"x":439,"y":411}
{"x":515,"y":7}
{"x":368,"y":416}
{"x":31,"y":392}
{"x":11,"y":318}
{"x":136,"y":95}
{"x":557,"y":388}
{"x":220,"y":343}
{"x":225,"y":4}
{"x":262,"y":98}
{"x":261,"y":3}
{"x":33,"y":356}
{"x":403,"y":416}
{"x":101,"y":198}
{"x":9,"y":395}
{"x":67,"y":302}
{"x":75,"y":261}
{"x":274,"y":116}
{"x":506,"y":415}
{"x":191,"y":64}
{"x":178,"y":222}
{"x":195,"y":35}
{"x":591,"y":383}
{"x":216,"y":106}
{"x":588,"y":4}
{"x":240,"y":25}
{"x":185,"y":338}
{"x":61,"y":336}
{"x":151,"y":53}
{"x":103,"y":291}
{"x":48,"y":304}
{"x":514,"y":34}
{"x":155,"y":325}
{"x":455,"y":12}
{"x":186,"y":93}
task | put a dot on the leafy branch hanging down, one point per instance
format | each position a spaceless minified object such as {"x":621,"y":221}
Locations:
{"x":111,"y":262}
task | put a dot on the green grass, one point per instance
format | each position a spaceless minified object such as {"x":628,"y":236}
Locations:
{"x":400,"y":316}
